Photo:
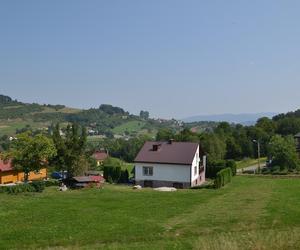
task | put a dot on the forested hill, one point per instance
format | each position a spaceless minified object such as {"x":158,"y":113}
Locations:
{"x":16,"y":116}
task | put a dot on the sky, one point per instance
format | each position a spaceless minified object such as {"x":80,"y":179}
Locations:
{"x":173,"y":58}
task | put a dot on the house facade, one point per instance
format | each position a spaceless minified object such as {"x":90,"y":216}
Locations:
{"x":170,"y":164}
{"x":10,"y":175}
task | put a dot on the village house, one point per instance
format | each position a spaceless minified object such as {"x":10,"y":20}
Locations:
{"x":170,"y":164}
{"x":100,"y":156}
{"x":10,"y":175}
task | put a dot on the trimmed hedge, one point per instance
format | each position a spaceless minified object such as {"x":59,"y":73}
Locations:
{"x":223,"y":177}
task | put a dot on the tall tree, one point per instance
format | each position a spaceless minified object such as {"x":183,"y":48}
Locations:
{"x":71,"y":150}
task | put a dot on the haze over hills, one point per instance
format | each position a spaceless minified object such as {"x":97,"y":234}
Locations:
{"x":245,"y":119}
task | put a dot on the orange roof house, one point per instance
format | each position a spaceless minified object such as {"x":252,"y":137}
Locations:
{"x":100,"y":156}
{"x":10,"y":175}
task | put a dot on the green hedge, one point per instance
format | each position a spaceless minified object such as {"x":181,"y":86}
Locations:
{"x":223,"y":177}
{"x":114,"y":174}
{"x":231,"y":164}
{"x":35,"y":186}
{"x":214,"y":167}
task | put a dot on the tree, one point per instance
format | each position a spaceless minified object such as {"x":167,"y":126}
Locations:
{"x":31,"y":153}
{"x":165,"y":134}
{"x":214,"y":147}
{"x":144,"y":114}
{"x":283,"y":153}
{"x":288,"y":126}
{"x":71,"y":150}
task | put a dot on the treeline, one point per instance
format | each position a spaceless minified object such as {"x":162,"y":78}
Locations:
{"x":230,"y":141}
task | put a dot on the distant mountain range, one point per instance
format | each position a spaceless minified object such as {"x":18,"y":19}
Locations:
{"x":245,"y":119}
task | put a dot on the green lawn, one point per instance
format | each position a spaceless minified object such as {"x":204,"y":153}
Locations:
{"x":131,"y":126}
{"x":250,"y":162}
{"x":249,"y":213}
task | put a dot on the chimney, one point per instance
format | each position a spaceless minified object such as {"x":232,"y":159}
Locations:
{"x":171,"y":141}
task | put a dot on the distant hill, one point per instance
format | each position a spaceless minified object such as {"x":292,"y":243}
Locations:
{"x":245,"y":119}
{"x":106,"y":120}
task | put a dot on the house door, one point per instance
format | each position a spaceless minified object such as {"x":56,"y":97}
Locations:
{"x":148,"y":184}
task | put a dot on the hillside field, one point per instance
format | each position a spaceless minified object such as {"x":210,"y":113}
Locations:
{"x":250,"y":213}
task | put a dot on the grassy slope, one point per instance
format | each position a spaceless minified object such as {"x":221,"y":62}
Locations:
{"x":250,"y":162}
{"x":9,"y":127}
{"x":250,"y":213}
{"x":131,"y":126}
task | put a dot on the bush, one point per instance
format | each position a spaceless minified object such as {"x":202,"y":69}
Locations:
{"x":214,"y":167}
{"x":38,"y":186}
{"x":21,"y":188}
{"x":124,"y":176}
{"x":52,"y":182}
{"x":111,"y":173}
{"x":232,"y":165}
{"x":223,"y":177}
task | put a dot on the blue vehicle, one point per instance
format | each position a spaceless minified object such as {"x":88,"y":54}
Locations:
{"x":59,"y":175}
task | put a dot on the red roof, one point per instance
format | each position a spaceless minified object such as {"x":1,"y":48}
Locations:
{"x":5,"y":166}
{"x":181,"y":153}
{"x":100,"y":155}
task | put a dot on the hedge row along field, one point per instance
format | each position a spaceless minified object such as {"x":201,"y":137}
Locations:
{"x":223,"y":177}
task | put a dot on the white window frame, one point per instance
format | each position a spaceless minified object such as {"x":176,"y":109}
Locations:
{"x":147,"y":171}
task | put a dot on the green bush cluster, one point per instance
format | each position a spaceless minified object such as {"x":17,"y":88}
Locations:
{"x":115,"y":174}
{"x":223,"y":177}
{"x":52,"y":183}
{"x":215,"y":167}
{"x":35,"y":186}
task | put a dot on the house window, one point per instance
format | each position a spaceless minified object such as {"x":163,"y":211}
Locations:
{"x":148,"y":171}
{"x":195,"y":170}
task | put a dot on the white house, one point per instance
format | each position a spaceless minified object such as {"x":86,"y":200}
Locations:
{"x":170,"y":164}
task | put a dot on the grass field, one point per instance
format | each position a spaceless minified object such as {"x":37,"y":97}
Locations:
{"x":249,"y":213}
{"x":131,"y":126}
{"x":250,"y":162}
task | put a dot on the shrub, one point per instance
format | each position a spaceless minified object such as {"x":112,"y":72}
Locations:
{"x":124,"y":176}
{"x":223,"y":177}
{"x":111,"y":173}
{"x":51,"y":183}
{"x":231,"y":164}
{"x":38,"y":186}
{"x":21,"y":188}
{"x":214,"y":167}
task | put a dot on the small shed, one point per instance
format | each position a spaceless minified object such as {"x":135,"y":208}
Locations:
{"x":87,"y":181}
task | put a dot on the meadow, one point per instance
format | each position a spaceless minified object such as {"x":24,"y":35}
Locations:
{"x":249,"y":213}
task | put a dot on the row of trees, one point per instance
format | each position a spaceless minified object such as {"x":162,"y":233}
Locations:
{"x":229,"y":141}
{"x":31,"y":152}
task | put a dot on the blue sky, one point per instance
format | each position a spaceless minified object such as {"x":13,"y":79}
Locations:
{"x":173,"y":58}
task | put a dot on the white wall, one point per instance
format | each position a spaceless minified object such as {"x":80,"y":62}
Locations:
{"x":164,"y":172}
{"x":195,"y":164}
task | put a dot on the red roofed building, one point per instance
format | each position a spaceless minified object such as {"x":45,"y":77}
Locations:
{"x":170,"y":164}
{"x":10,"y":175}
{"x":100,"y":156}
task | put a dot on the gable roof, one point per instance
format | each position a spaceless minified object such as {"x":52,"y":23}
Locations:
{"x":5,"y":166}
{"x":100,"y":155}
{"x":181,"y":153}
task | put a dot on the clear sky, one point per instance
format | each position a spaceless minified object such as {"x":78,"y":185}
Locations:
{"x":173,"y":58}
